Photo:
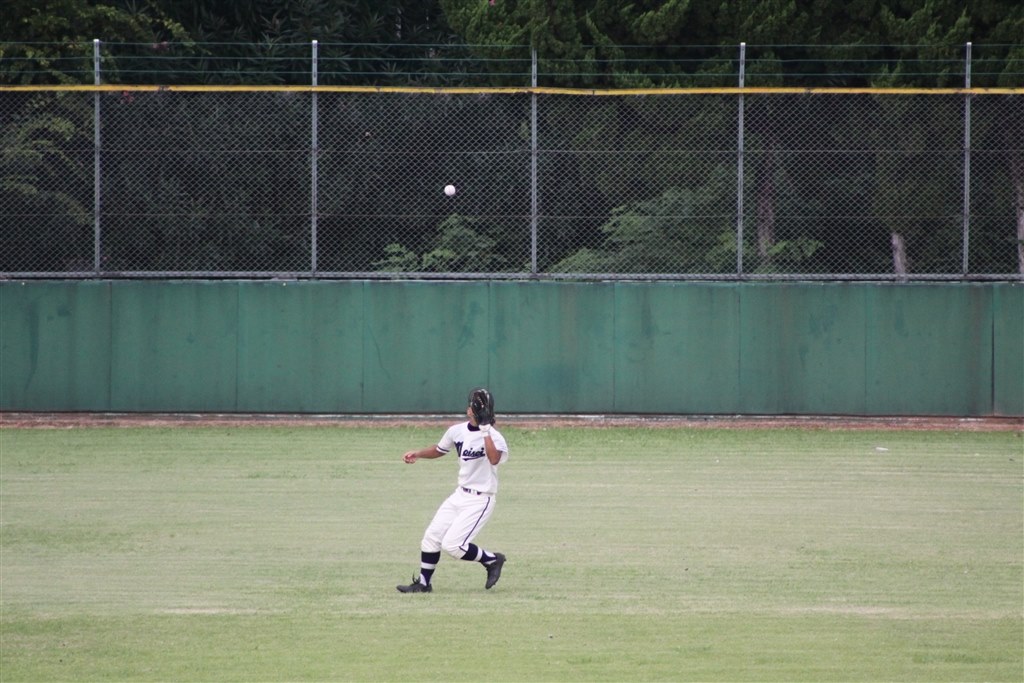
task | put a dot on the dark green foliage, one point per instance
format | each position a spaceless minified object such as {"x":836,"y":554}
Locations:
{"x":625,"y":185}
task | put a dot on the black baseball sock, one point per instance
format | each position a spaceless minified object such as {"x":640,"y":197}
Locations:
{"x":475,"y":553}
{"x":428,"y":563}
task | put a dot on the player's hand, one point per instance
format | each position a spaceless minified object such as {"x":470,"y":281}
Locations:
{"x":409,"y":457}
{"x":485,"y":429}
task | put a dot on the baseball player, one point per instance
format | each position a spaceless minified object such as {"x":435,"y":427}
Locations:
{"x":481,"y":448}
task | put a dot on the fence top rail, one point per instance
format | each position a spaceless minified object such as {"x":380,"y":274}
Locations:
{"x":513,"y":90}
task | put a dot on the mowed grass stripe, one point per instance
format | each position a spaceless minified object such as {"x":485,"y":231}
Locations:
{"x":640,"y":554}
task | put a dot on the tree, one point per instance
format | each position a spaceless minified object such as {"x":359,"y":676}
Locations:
{"x":46,"y":165}
{"x":45,"y":184}
{"x":939,"y":29}
{"x":592,"y":43}
{"x":269,"y":40}
{"x":461,"y":245}
{"x":52,"y":40}
{"x":583,"y":43}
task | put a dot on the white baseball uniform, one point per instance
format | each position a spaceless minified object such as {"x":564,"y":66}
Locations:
{"x":465,"y":512}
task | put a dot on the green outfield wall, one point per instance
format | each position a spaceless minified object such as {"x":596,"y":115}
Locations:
{"x":543,"y":347}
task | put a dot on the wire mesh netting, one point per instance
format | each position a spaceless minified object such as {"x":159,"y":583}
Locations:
{"x":285,"y":61}
{"x":664,"y":184}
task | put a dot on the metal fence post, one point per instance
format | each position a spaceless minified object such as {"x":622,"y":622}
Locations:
{"x":533,"y":163}
{"x":739,"y":164}
{"x":967,"y":160}
{"x":313,"y":154}
{"x":96,"y":237}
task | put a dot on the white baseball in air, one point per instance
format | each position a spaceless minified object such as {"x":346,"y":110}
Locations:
{"x":449,"y":190}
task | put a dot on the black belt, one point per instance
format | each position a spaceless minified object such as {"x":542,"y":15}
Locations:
{"x":475,"y":493}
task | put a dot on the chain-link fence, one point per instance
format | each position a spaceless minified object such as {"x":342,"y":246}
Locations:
{"x":337,"y":182}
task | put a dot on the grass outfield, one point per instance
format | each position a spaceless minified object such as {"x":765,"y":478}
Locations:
{"x":272,"y":553}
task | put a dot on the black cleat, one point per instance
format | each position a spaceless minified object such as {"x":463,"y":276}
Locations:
{"x":415,"y":587}
{"x":494,"y":570}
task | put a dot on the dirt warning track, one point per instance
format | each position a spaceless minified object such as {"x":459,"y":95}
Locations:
{"x":86,"y":420}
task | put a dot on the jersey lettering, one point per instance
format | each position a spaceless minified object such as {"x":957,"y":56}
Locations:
{"x":469,"y":453}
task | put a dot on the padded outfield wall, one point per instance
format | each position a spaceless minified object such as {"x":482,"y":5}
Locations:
{"x":543,"y":347}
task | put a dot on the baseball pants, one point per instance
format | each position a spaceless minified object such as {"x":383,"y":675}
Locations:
{"x":457,"y":522}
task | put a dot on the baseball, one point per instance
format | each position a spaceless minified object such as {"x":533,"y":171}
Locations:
{"x":449,"y":190}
